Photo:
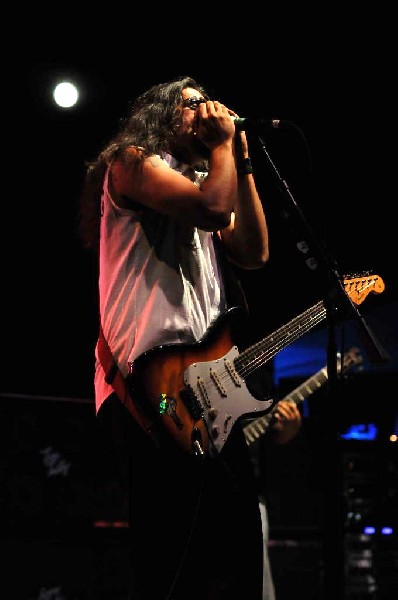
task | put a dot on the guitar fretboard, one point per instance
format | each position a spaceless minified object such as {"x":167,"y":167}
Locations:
{"x":258,"y":354}
{"x":254,"y":430}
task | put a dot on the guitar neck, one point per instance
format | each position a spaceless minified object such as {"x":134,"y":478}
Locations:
{"x":259,"y":426}
{"x":258,"y":354}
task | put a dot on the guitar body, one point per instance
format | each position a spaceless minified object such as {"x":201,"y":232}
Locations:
{"x":197,"y":392}
{"x":194,"y":389}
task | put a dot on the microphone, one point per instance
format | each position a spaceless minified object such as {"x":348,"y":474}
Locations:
{"x":244,"y":124}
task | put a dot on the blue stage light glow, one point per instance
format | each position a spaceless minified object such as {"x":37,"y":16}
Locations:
{"x":361,"y":431}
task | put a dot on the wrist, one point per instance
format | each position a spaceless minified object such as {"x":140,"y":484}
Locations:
{"x":245,"y":167}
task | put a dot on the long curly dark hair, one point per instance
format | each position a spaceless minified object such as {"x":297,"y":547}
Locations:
{"x":151,"y":124}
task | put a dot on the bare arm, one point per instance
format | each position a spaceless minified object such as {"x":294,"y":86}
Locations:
{"x":246,"y":239}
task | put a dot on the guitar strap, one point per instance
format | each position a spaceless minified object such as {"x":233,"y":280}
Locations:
{"x":115,"y":378}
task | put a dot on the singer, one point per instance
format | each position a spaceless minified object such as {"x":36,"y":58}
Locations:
{"x":169,"y":204}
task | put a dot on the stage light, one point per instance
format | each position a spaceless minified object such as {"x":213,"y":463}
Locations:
{"x":65,"y":94}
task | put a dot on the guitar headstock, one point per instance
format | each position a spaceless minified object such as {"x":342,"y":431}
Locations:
{"x":358,"y":288}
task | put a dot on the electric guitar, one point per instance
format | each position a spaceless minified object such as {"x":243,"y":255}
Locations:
{"x":198,"y":391}
{"x":258,"y":427}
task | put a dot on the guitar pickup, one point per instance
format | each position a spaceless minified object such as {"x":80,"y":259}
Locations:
{"x":203,"y":391}
{"x":214,"y":376}
{"x":229,"y":366}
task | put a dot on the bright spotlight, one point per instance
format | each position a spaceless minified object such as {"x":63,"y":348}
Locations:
{"x":65,"y":94}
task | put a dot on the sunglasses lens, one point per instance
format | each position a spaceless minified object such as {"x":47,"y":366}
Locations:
{"x":193,"y":103}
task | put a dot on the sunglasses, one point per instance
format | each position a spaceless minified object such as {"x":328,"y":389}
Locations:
{"x":193,"y":102}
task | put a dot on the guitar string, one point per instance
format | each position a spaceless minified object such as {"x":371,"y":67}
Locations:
{"x":279,"y":336}
{"x":320,"y":313}
{"x":262,"y":358}
{"x":279,"y":342}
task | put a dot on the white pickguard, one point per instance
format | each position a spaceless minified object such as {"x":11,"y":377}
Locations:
{"x":224,"y":396}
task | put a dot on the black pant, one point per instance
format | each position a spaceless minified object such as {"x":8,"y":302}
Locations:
{"x":194,"y":523}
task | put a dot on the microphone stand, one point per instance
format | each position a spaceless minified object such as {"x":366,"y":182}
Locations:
{"x":338,"y":306}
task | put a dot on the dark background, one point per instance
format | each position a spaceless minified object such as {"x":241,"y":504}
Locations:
{"x":332,"y":75}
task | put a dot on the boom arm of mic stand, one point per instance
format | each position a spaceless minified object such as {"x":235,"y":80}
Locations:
{"x":337,"y":294}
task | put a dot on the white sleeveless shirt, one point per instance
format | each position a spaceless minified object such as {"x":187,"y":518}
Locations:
{"x":159,"y":281}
